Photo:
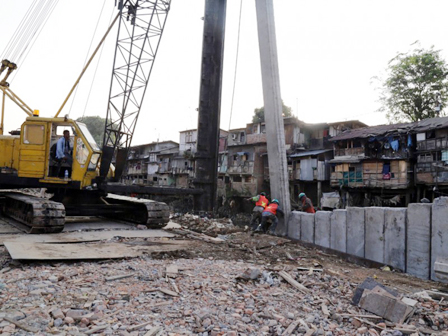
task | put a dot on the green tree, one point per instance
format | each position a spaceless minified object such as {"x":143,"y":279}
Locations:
{"x":258,"y":116}
{"x":416,"y":87}
{"x":95,"y":125}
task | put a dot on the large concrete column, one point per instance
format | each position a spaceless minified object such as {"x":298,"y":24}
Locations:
{"x":206,"y":157}
{"x":275,"y":132}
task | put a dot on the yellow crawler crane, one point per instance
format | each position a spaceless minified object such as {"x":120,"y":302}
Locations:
{"x":82,"y":187}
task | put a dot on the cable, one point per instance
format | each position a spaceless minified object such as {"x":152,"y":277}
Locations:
{"x":87,"y":56}
{"x":10,"y":43}
{"x":96,"y":68}
{"x":34,"y":40}
{"x":236,"y":64}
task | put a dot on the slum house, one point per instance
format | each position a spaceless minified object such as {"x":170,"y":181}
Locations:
{"x":310,"y":160}
{"x":431,"y":167}
{"x":144,"y":162}
{"x":183,"y":163}
{"x":373,"y":165}
{"x":247,"y":170}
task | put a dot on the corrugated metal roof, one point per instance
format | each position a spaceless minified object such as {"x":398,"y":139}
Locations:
{"x":415,"y":127}
{"x":309,"y":153}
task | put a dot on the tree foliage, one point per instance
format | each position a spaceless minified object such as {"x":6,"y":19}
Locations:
{"x":416,"y":84}
{"x":258,"y":116}
{"x":95,"y":125}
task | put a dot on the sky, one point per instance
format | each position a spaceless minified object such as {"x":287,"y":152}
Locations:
{"x":329,"y":53}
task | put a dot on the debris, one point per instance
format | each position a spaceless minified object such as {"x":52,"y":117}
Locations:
{"x":154,"y":331}
{"x":249,"y":274}
{"x":118,"y":277}
{"x":168,"y":292}
{"x":291,"y":327}
{"x":437,"y":295}
{"x":369,"y":283}
{"x":293,"y":282}
{"x":172,"y":271}
{"x":138,"y":326}
{"x":382,"y":303}
{"x":21,"y":325}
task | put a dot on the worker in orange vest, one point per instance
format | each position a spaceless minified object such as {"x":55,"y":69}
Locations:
{"x":270,"y":213}
{"x":307,"y":205}
{"x":260,"y":203}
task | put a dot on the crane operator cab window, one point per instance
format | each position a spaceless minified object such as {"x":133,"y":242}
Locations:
{"x":61,"y":151}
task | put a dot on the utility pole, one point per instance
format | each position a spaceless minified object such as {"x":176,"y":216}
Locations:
{"x":206,"y":157}
{"x":275,"y":132}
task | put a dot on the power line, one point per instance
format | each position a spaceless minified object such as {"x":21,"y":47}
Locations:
{"x":236,"y":63}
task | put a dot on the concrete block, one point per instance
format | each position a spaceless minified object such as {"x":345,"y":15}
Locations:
{"x":322,"y":228}
{"x":418,"y":251}
{"x":294,"y":225}
{"x":355,"y":231}
{"x":338,"y":233}
{"x":395,"y":237}
{"x":307,"y":227}
{"x":374,"y":249}
{"x":439,"y":233}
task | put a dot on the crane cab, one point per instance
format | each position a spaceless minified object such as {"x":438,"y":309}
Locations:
{"x":37,"y":152}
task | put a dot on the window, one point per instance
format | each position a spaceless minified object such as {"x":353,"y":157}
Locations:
{"x":154,"y":178}
{"x":237,"y":179}
{"x":235,"y":157}
{"x":227,"y":179}
{"x":248,"y":179}
{"x":34,"y":134}
{"x":82,"y":152}
{"x":186,"y":164}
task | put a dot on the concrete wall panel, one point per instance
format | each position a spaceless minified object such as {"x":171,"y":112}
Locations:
{"x":307,"y":227}
{"x":338,"y":236}
{"x":294,"y":225}
{"x":355,"y":231}
{"x":395,"y":237}
{"x":322,"y":228}
{"x":439,"y":232}
{"x":418,"y":254}
{"x":374,"y":248}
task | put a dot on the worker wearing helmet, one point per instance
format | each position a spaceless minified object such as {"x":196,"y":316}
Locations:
{"x":270,"y":213}
{"x":260,"y":203}
{"x":307,"y":205}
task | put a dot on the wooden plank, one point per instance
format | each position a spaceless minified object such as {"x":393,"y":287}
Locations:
{"x":39,"y":251}
{"x":293,"y":282}
{"x":75,"y":237}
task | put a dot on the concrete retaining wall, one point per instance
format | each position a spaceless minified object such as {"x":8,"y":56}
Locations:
{"x":409,"y":239}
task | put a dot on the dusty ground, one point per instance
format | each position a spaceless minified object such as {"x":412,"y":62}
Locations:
{"x":210,"y":293}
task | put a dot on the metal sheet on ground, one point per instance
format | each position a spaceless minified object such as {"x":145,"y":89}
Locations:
{"x":6,"y":227}
{"x":78,"y":237}
{"x":96,"y":225}
{"x":39,"y":251}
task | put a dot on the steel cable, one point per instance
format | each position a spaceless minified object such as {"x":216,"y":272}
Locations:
{"x":236,"y":64}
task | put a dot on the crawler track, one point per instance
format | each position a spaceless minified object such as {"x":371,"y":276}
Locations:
{"x":153,"y":214}
{"x":39,"y":215}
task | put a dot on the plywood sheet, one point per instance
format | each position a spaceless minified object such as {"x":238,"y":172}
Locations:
{"x":75,"y":237}
{"x":39,"y":251}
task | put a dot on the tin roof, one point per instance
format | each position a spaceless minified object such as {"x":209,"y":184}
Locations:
{"x":405,"y":128}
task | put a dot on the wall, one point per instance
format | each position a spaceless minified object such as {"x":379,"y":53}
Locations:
{"x":408,"y":239}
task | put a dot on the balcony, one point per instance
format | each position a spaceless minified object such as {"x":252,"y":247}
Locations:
{"x":358,"y":151}
{"x":244,"y":167}
{"x":256,"y":138}
{"x":432,"y":144}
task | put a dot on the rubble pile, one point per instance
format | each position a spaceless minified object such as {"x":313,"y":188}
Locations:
{"x":203,"y":296}
{"x":211,"y":227}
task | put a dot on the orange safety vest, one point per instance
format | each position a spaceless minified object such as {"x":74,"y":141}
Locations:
{"x":311,"y":208}
{"x":272,"y":208}
{"x":262,"y":201}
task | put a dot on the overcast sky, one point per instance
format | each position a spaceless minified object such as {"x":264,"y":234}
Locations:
{"x":328,"y":53}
